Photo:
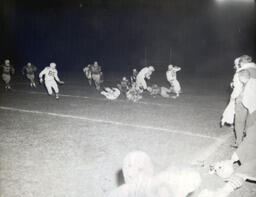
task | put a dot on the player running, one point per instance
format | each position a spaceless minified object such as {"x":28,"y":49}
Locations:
{"x":30,"y":70}
{"x":50,"y":74}
{"x":7,"y":71}
{"x":88,"y":73}
{"x":96,"y":75}
{"x":171,"y":75}
{"x":144,"y":73}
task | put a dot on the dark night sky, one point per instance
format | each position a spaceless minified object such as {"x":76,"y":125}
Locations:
{"x":204,"y":37}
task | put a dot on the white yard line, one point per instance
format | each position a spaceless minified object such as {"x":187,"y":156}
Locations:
{"x":109,"y":122}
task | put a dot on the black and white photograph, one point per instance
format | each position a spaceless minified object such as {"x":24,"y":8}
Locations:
{"x":127,"y":98}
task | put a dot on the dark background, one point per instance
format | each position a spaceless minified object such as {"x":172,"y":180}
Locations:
{"x":201,"y":36}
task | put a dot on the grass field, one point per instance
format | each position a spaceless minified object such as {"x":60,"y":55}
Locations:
{"x":74,"y":146}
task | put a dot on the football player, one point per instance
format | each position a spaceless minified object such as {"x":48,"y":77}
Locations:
{"x":111,"y":93}
{"x":144,"y":73}
{"x":134,"y":75}
{"x":124,"y":85}
{"x":30,"y":70}
{"x":50,"y":74}
{"x":171,"y":75}
{"x":7,"y":71}
{"x":88,"y":73}
{"x":97,"y":75}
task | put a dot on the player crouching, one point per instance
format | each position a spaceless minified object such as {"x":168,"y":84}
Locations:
{"x":30,"y":73}
{"x":50,"y":74}
{"x":124,"y":85}
{"x":7,"y":71}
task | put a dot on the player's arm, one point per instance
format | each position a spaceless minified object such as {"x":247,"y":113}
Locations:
{"x":57,"y":78}
{"x":176,"y":68}
{"x":41,"y":74}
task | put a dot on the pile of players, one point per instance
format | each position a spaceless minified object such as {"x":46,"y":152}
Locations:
{"x":137,"y":84}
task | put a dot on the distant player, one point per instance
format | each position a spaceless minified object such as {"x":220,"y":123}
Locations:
{"x":134,"y":75}
{"x":7,"y":71}
{"x":30,"y":70}
{"x":124,"y":85}
{"x":144,"y":73}
{"x":97,"y":75}
{"x":171,"y":75}
{"x":88,"y":73}
{"x":50,"y":77}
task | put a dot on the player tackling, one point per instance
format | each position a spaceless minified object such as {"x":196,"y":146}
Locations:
{"x":50,"y":74}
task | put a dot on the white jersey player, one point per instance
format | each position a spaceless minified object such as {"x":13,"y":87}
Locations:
{"x":171,"y":75}
{"x":144,"y":73}
{"x":50,"y":77}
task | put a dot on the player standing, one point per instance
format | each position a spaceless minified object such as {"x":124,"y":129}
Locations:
{"x":7,"y":71}
{"x":30,"y":73}
{"x":96,"y":75}
{"x":50,"y":74}
{"x":171,"y":75}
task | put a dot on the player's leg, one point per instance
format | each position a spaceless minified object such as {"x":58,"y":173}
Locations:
{"x":6,"y":78}
{"x":56,"y":89}
{"x":176,"y":87}
{"x":241,"y":114}
{"x":48,"y":86}
{"x":96,"y":79}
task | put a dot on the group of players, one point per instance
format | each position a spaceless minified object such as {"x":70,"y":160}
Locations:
{"x":132,"y":88}
{"x":49,"y":75}
{"x":139,"y":176}
{"x":136,"y":85}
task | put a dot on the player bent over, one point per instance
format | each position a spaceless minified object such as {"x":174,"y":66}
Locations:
{"x":7,"y":71}
{"x":96,"y":75}
{"x":171,"y":75}
{"x":30,"y":73}
{"x":144,"y":73}
{"x":50,"y":74}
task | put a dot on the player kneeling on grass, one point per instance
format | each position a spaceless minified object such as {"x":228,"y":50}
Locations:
{"x":111,"y":93}
{"x":30,"y":73}
{"x":144,"y":74}
{"x":88,"y":73}
{"x":50,"y":74}
{"x":124,"y":85}
{"x":140,"y":181}
{"x":245,"y":157}
{"x":171,"y":75}
{"x":7,"y":71}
